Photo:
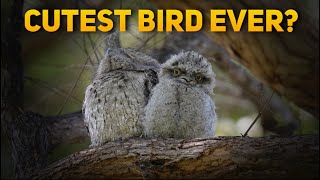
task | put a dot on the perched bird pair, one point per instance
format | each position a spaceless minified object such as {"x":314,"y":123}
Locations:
{"x":133,"y":95}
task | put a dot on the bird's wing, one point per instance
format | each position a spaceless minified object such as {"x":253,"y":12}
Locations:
{"x":149,"y":65}
{"x":151,"y":81}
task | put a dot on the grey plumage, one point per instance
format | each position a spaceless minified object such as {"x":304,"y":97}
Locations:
{"x":114,"y":101}
{"x":180,"y":105}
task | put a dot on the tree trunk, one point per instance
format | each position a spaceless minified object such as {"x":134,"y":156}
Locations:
{"x":26,"y":131}
{"x":287,"y":62}
{"x":220,"y":157}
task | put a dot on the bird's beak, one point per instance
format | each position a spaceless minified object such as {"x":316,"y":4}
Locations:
{"x":188,"y":80}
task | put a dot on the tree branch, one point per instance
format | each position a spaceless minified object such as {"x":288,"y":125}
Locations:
{"x":66,"y":129}
{"x":221,"y":157}
{"x":26,"y":131}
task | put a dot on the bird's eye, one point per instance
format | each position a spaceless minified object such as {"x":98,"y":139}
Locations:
{"x":199,"y":77}
{"x":176,"y":72}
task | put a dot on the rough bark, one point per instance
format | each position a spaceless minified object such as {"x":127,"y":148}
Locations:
{"x":26,"y":131}
{"x":220,"y":157}
{"x":251,"y":88}
{"x":287,"y":62}
{"x":66,"y":129}
{"x":11,"y":65}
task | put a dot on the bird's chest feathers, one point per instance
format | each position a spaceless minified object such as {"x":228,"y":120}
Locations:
{"x":183,"y":96}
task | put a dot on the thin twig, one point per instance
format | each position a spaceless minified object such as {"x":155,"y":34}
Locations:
{"x":135,"y":35}
{"x":83,"y":49}
{"x":78,"y":78}
{"x":158,"y":41}
{"x":146,"y":41}
{"x":47,"y":86}
{"x":77,"y":66}
{"x":258,"y":116}
{"x":96,"y":53}
{"x":88,"y":3}
{"x":73,"y":87}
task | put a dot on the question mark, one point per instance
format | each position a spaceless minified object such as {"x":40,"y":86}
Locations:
{"x":294,"y":18}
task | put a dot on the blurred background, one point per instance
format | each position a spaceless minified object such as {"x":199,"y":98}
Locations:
{"x":59,"y":66}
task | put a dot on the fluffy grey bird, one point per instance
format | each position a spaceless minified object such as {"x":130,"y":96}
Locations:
{"x":114,"y":101}
{"x":180,"y":105}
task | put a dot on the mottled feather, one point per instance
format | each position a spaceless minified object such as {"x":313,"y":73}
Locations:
{"x":114,"y":101}
{"x":180,"y":105}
